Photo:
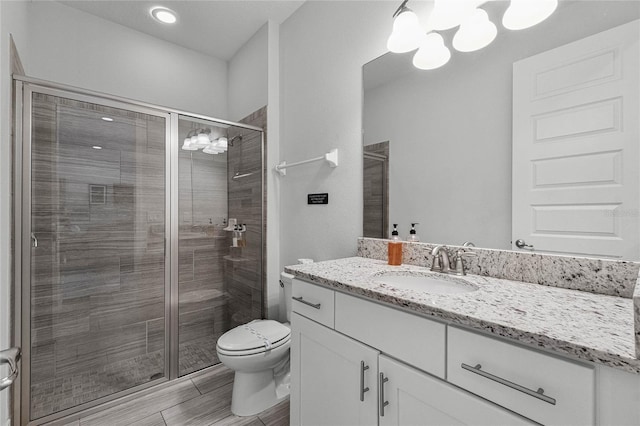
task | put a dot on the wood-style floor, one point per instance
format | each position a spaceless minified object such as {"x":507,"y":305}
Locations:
{"x":204,"y":400}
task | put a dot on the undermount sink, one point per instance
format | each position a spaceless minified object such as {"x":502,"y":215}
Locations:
{"x":426,"y":283}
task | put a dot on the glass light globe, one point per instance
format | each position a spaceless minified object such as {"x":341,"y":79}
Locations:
{"x":406,"y":34}
{"x":523,"y":14}
{"x":221,"y":142}
{"x":202,"y":140}
{"x":476,"y":32}
{"x":187,"y":146}
{"x":432,"y":53}
{"x":211,"y":149}
{"x":449,"y":14}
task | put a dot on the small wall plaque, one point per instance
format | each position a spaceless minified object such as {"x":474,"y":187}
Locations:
{"x":318,"y":198}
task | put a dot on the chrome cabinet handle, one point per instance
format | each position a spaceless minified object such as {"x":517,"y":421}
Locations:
{"x":382,"y":380}
{"x":521,"y":244}
{"x":11,"y":357}
{"x":35,"y":240}
{"x":363,"y":368}
{"x":536,"y":394}
{"x":301,"y":300}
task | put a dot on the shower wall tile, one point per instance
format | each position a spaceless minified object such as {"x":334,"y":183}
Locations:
{"x":247,"y":202}
{"x":185,"y":267}
{"x":127,"y":307}
{"x":98,"y":274}
{"x":42,"y":358}
{"x":155,"y":335}
{"x":141,"y":262}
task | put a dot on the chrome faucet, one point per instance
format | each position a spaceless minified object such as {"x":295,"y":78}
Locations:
{"x":441,"y":262}
{"x":440,"y":259}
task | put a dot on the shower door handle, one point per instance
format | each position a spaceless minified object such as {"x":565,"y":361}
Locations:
{"x":11,"y":357}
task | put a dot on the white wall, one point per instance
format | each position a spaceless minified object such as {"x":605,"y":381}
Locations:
{"x":13,"y":20}
{"x":275,"y":298}
{"x":248,"y":75}
{"x":323,"y":48}
{"x":75,"y":48}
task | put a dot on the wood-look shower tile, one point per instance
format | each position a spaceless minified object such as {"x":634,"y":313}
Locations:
{"x":141,"y":261}
{"x":204,"y":410}
{"x":151,"y":280}
{"x":193,"y":328}
{"x":185,"y":265}
{"x":155,"y":335}
{"x":145,"y":406}
{"x":278,"y":415}
{"x":110,"y":311}
{"x":218,"y":377}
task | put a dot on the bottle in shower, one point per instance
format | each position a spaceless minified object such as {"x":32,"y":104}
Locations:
{"x":242,"y":240}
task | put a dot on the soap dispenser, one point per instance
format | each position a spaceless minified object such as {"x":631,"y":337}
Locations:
{"x":395,"y":247}
{"x":413,"y":237}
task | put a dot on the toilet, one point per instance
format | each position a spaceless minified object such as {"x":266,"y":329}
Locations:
{"x":258,"y":352}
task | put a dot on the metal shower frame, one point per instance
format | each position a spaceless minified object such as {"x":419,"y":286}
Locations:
{"x":23,"y":89}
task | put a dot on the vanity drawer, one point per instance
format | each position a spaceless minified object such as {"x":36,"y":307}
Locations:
{"x":313,"y":302}
{"x":415,"y":340}
{"x":511,"y":375}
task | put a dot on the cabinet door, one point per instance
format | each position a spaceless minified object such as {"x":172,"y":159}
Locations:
{"x":333,"y":378}
{"x":415,"y":398}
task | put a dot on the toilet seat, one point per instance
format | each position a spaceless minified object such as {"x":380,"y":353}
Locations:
{"x":253,"y":338}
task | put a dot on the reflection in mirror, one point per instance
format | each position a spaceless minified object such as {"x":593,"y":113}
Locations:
{"x":452,"y":133}
{"x":376,"y":188}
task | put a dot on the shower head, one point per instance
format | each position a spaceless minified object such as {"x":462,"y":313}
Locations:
{"x":233,"y":139}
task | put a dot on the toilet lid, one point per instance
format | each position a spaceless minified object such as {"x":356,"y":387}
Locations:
{"x":254,"y":335}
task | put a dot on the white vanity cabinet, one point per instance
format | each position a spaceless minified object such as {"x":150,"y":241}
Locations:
{"x":333,"y":377}
{"x":415,"y":398}
{"x":359,"y":372}
{"x":545,"y":388}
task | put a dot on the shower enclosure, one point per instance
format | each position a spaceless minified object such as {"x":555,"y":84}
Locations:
{"x":126,"y":270}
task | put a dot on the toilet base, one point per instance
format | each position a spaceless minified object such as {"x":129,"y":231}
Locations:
{"x":255,"y":392}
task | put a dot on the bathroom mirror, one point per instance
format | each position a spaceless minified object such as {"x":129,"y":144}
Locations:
{"x":449,"y":130}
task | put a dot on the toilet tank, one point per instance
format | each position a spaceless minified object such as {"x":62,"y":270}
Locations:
{"x":287,"y":282}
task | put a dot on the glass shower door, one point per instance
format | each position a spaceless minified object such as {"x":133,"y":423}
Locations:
{"x":98,"y":275}
{"x":220,"y":277}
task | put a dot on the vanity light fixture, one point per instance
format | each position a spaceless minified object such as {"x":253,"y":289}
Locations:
{"x":201,"y":139}
{"x":432,"y":53}
{"x":475,"y":32}
{"x":475,"y":29}
{"x":407,"y":34}
{"x":448,"y":14}
{"x":523,"y":14}
{"x":163,"y":14}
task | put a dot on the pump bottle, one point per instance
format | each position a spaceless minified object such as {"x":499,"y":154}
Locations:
{"x":395,"y":248}
{"x":413,"y":237}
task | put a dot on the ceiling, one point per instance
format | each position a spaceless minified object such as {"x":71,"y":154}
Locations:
{"x":217,"y":28}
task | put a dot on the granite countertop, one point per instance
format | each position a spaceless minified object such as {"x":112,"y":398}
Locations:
{"x":582,"y":325}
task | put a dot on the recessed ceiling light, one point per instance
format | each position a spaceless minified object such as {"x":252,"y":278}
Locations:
{"x":107,"y":119}
{"x":164,"y":15}
{"x":96,"y":147}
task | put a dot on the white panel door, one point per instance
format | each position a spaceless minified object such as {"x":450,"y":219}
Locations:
{"x":575,"y":147}
{"x":333,"y":378}
{"x":415,"y":398}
